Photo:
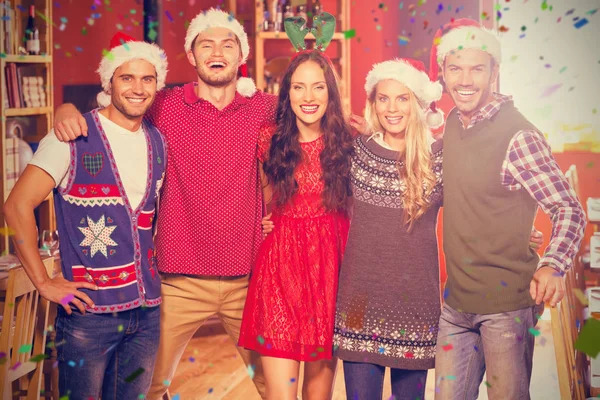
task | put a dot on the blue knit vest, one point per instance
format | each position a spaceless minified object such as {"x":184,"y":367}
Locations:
{"x":103,"y":240}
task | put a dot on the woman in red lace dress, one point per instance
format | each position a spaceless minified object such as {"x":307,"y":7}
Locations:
{"x":290,"y":307}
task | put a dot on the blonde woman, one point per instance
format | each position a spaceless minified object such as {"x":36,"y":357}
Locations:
{"x":388,"y":304}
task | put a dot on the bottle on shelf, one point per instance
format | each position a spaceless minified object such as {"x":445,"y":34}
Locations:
{"x":273,"y":12}
{"x":317,"y":8}
{"x":288,"y":10}
{"x":279,"y":18}
{"x":32,"y":34}
{"x":301,"y":11}
{"x":266,"y":20}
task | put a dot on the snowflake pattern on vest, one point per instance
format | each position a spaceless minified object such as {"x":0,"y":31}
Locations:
{"x":97,"y":236}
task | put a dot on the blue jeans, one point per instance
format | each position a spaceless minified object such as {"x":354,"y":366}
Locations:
{"x":500,"y":344}
{"x":365,"y":382}
{"x":112,"y":354}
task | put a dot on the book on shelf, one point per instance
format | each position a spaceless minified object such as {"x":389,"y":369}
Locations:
{"x":24,"y":86}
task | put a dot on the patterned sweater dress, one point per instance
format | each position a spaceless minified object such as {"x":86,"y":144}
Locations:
{"x":388,"y":303}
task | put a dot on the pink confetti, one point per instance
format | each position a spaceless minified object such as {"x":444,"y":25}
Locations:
{"x":551,"y":89}
{"x":67,"y":299}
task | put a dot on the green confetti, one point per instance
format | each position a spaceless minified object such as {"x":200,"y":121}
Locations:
{"x":2,"y":55}
{"x":108,"y":54}
{"x":378,"y":27}
{"x":588,"y":342}
{"x":64,"y":397}
{"x":38,"y":358}
{"x":563,"y":69}
{"x":261,"y":340}
{"x":594,"y":111}
{"x":134,"y":375}
{"x":152,"y":34}
{"x":349,"y":34}
{"x":451,"y":377}
{"x":120,"y":328}
{"x":488,"y":384}
{"x":518,"y":320}
{"x":534,"y":332}
{"x":132,"y":11}
{"x":25,"y":348}
{"x":381,"y":5}
{"x":84,"y":31}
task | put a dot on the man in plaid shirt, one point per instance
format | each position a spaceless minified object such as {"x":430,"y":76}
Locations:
{"x":498,"y":169}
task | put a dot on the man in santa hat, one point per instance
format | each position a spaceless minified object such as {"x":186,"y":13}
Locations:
{"x":498,"y":169}
{"x":208,"y":227}
{"x":107,"y":185}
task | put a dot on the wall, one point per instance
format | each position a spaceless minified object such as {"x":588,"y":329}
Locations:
{"x":77,"y":55}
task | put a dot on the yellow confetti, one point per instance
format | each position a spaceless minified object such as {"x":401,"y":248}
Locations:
{"x":7,"y":231}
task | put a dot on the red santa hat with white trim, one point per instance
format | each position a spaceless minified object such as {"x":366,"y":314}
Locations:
{"x":215,"y":18}
{"x":124,"y":48}
{"x":462,"y":34}
{"x":412,"y":74}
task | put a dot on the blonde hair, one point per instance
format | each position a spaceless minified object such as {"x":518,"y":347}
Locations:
{"x":418,"y":167}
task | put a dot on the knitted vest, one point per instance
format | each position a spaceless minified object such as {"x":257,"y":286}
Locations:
{"x":486,"y":227}
{"x":103,"y":240}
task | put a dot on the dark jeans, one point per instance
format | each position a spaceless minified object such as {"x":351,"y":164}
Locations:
{"x":365,"y":382}
{"x":109,"y":353}
{"x":499,"y":344}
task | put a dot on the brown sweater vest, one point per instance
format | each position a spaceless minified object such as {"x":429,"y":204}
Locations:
{"x":486,"y":227}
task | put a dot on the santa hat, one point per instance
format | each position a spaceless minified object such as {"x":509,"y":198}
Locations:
{"x":412,"y":74}
{"x":215,"y":18}
{"x":461,"y":34}
{"x":124,"y":48}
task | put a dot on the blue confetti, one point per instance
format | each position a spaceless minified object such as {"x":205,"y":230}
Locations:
{"x":71,"y":363}
{"x":169,"y":16}
{"x":446,"y":293}
{"x":581,"y":23}
{"x":503,"y":283}
{"x":79,"y":49}
{"x":176,"y":397}
{"x":21,"y":8}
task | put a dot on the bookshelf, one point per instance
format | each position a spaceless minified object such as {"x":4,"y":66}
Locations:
{"x":262,"y":38}
{"x":35,"y":116}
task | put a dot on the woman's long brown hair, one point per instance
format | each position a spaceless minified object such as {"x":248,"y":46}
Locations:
{"x":285,"y":152}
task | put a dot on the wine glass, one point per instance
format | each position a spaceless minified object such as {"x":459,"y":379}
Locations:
{"x":49,"y":242}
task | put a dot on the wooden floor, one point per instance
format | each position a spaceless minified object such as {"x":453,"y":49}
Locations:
{"x":212,"y":369}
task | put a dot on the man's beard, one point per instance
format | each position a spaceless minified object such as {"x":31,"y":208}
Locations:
{"x":217,"y":81}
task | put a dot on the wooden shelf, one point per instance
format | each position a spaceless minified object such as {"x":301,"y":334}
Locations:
{"x":22,"y":112}
{"x":26,"y":59}
{"x":282,"y":35}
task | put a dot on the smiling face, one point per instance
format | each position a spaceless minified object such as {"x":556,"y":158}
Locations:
{"x":392,"y":106}
{"x":308,"y":93}
{"x":216,"y":55}
{"x":469,"y":75}
{"x":133,"y":88}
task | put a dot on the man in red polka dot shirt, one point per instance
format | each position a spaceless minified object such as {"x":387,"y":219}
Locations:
{"x":208,"y":227}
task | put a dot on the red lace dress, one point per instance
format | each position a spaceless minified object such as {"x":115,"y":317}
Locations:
{"x":290,"y":307}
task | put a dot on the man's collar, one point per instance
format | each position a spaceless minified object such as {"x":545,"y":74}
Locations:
{"x":190,"y":96}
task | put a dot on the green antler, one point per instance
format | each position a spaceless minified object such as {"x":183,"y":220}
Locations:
{"x":323,"y":30}
{"x":296,"y":30}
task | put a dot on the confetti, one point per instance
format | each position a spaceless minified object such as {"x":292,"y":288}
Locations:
{"x":261,"y":340}
{"x":176,"y":397}
{"x":251,"y":371}
{"x":120,"y":328}
{"x":2,"y":55}
{"x":169,"y":16}
{"x":447,"y":347}
{"x":534,"y":332}
{"x":25,"y":348}
{"x":551,"y":89}
{"x":403,"y":40}
{"x":503,"y":283}
{"x":17,"y":365}
{"x":38,"y":358}
{"x":192,"y":359}
{"x":67,"y":299}
{"x":580,"y":23}
{"x":563,"y":69}
{"x":132,"y":11}
{"x":451,"y":377}
{"x":588,"y":342}
{"x":134,"y":375}
{"x":349,"y":34}
{"x":488,"y":384}
{"x":71,"y":364}
{"x":166,"y":382}
{"x":518,"y":320}
{"x":210,"y":390}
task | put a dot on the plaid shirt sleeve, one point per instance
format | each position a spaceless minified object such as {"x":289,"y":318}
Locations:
{"x":529,"y":164}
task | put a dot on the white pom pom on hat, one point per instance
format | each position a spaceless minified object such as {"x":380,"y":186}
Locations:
{"x":124,"y":48}
{"x":412,"y":74}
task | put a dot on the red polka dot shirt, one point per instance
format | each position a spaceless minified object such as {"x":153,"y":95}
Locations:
{"x":211,"y":203}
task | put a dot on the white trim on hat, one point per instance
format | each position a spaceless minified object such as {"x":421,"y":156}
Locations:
{"x":214,"y":18}
{"x":469,"y":37}
{"x":127,"y":52}
{"x":417,"y":81}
